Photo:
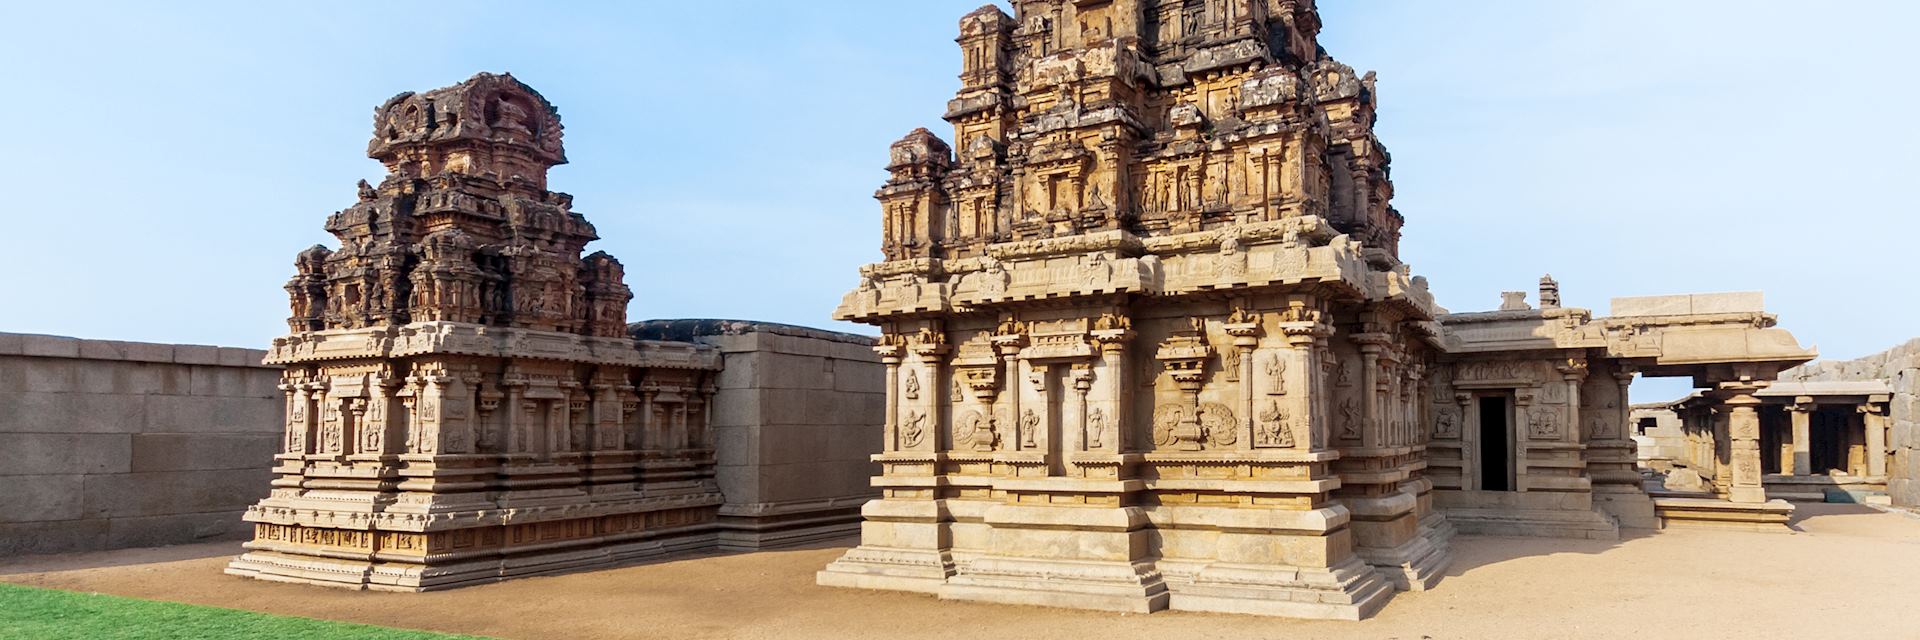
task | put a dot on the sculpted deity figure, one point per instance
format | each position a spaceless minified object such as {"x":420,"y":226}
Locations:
{"x":1274,"y":430}
{"x":1096,"y":428}
{"x":1276,"y":375}
{"x":913,"y":385}
{"x":913,"y":430}
{"x":1349,"y":419}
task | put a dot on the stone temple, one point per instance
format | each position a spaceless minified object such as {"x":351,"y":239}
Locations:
{"x":463,"y":401}
{"x":1150,"y":343}
{"x":1146,"y":343}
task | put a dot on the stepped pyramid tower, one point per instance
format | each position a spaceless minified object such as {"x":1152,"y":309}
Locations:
{"x":464,"y":404}
{"x":1149,"y":340}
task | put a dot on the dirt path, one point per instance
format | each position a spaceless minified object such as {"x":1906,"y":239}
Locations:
{"x":1851,"y":572}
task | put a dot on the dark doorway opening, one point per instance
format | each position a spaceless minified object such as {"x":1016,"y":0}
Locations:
{"x":1495,"y":448}
{"x":1827,"y":441}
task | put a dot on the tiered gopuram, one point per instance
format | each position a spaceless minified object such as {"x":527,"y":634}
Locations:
{"x":463,"y":402}
{"x":1149,"y":341}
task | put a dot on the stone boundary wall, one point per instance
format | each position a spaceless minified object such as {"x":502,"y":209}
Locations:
{"x":106,"y":444}
{"x":1900,"y":368}
{"x":796,"y":421}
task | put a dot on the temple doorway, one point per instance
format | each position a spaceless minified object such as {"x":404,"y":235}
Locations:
{"x":1829,"y":441}
{"x":1496,"y":444}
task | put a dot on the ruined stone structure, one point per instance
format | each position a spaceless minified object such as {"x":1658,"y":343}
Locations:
{"x":1149,"y":341}
{"x":463,"y":401}
{"x":1530,"y":434}
{"x":1897,"y":413}
{"x":1828,"y":431}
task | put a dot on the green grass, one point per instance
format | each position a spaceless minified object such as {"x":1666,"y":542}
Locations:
{"x":28,"y":613}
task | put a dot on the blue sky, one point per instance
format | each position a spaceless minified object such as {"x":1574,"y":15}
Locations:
{"x":165,"y":163}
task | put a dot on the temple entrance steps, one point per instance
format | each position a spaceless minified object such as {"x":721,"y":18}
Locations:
{"x":1529,"y":514}
{"x":1771,"y":515}
{"x":1820,"y":488}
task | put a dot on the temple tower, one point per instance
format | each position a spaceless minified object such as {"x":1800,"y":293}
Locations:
{"x":463,"y":402}
{"x":1149,"y":341}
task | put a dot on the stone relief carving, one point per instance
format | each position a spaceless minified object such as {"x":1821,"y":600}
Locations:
{"x":1274,"y":430}
{"x":913,"y":385}
{"x":1553,"y":393}
{"x":1600,"y":427}
{"x":1349,"y":419}
{"x":913,"y":430}
{"x":1192,"y":428}
{"x":1276,"y":375}
{"x":978,"y":431}
{"x":1029,"y":425}
{"x":1096,"y":428}
{"x":1446,"y":424}
{"x":1544,"y":423}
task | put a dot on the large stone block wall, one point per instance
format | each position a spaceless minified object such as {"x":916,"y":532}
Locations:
{"x":1900,"y":368}
{"x":108,"y":444}
{"x":796,"y":421}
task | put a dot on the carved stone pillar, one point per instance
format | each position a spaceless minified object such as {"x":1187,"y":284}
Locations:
{"x":1801,"y":412}
{"x":921,"y":428}
{"x":1012,"y":386}
{"x":1246,"y":336}
{"x":1722,"y":450}
{"x":1573,"y":372}
{"x":1107,"y":420}
{"x":890,"y":356}
{"x":1743,"y":431}
{"x":1306,"y":394}
{"x":1875,"y":414}
{"x":299,"y":419}
{"x":649,"y":427}
{"x":1370,"y":347}
{"x":1082,"y":378}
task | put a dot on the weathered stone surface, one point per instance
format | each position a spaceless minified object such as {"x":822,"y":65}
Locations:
{"x":202,"y":451}
{"x":793,"y":427}
{"x":58,"y":536}
{"x":40,"y":498}
{"x":458,"y":331}
{"x":77,"y":425}
{"x":64,"y":453}
{"x":166,"y":493}
{"x":51,"y":412}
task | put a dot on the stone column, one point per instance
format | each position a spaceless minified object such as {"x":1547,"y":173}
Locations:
{"x":1246,"y":336}
{"x":890,"y":423}
{"x":1108,"y":413}
{"x":1876,"y":425}
{"x":1573,"y":372}
{"x":649,"y":439}
{"x":925,"y":436}
{"x":1370,"y":390}
{"x":1743,"y":444}
{"x":1802,"y":413}
{"x":1304,"y":339}
{"x":1081,"y":375}
{"x":1011,"y":386}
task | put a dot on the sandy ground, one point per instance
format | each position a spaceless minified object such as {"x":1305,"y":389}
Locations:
{"x":1850,"y":571}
